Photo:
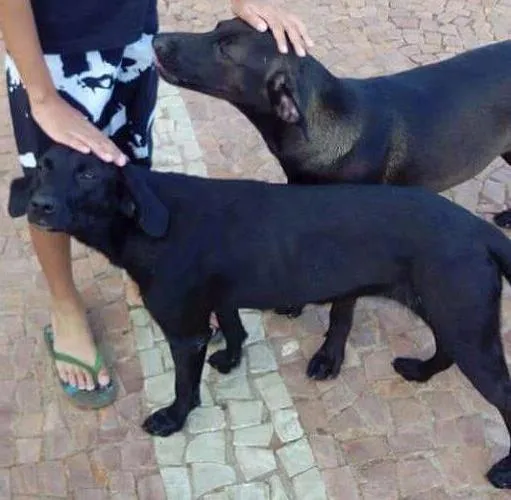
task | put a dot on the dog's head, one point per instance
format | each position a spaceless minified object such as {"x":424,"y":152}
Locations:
{"x":75,"y":193}
{"x":236,"y":63}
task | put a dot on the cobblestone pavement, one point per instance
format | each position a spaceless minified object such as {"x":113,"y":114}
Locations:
{"x":264,"y":431}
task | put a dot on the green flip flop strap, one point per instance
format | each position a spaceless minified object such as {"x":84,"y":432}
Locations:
{"x":92,"y":370}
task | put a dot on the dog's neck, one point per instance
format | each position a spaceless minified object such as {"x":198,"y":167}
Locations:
{"x":319,"y":139}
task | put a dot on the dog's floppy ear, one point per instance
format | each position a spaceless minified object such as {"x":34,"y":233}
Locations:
{"x":152,"y":215}
{"x":284,"y":98}
{"x":19,"y":196}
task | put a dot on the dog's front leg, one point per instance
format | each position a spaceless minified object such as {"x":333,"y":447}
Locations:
{"x":188,"y":358}
{"x":234,"y":332}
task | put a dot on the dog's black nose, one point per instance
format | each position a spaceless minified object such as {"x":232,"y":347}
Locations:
{"x":43,"y":204}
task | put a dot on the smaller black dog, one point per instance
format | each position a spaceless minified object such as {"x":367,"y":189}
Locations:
{"x":196,"y":245}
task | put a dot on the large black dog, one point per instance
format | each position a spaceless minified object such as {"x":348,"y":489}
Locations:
{"x":196,"y":245}
{"x":434,"y":126}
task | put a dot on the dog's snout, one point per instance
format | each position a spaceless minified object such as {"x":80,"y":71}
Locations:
{"x":43,"y":204}
{"x":164,"y":46}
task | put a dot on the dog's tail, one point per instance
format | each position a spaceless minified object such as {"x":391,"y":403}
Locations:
{"x":499,"y":247}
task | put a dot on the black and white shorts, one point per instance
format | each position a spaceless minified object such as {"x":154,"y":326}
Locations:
{"x":115,"y":89}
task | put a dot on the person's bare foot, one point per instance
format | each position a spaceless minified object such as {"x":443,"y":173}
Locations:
{"x":72,"y":336}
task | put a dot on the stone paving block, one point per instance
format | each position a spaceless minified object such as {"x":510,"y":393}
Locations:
{"x":151,"y":361}
{"x":252,"y":491}
{"x":296,"y":457}
{"x":160,"y":389}
{"x":309,"y":486}
{"x":245,"y":413}
{"x":151,"y":488}
{"x":273,"y":391}
{"x":232,"y":388}
{"x":170,"y":450}
{"x":277,"y":491}
{"x":261,"y":358}
{"x":253,"y":324}
{"x":207,"y":447}
{"x":207,"y":419}
{"x":176,"y":483}
{"x":258,"y":435}
{"x":207,"y":477}
{"x":287,"y":425}
{"x":255,"y":462}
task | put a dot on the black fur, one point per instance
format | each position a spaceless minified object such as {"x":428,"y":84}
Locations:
{"x":199,"y":245}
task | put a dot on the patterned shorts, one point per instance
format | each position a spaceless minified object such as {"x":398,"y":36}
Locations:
{"x":115,"y":89}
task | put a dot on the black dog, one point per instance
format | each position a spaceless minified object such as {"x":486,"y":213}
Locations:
{"x":434,"y":126}
{"x":196,"y":245}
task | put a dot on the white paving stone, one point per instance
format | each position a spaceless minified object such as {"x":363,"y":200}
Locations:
{"x":216,"y":496}
{"x":143,"y":336}
{"x":232,"y":388}
{"x":151,"y":362}
{"x":176,"y":483}
{"x":287,"y":426}
{"x":206,"y":419}
{"x":170,"y":450}
{"x":255,"y":462}
{"x":277,"y":491}
{"x":253,"y":323}
{"x":208,"y":477}
{"x":273,"y":391}
{"x":160,"y":389}
{"x":245,"y":413}
{"x":253,"y":491}
{"x":259,"y":435}
{"x":140,"y":317}
{"x":207,"y":447}
{"x":310,"y":486}
{"x":261,"y":358}
{"x":296,"y":457}
{"x":205,"y":395}
{"x":289,"y":348}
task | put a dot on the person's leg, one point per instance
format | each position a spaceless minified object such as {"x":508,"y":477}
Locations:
{"x":71,"y":332}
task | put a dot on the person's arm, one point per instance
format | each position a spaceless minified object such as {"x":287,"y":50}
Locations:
{"x":262,"y":15}
{"x":54,"y":115}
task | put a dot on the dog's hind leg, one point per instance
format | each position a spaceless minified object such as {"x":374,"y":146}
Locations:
{"x":234,"y":332}
{"x":327,"y":361}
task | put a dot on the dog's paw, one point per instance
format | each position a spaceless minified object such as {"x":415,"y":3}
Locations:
{"x":323,"y":366}
{"x":222,"y":362}
{"x":289,"y":311}
{"x":500,"y":474}
{"x":168,"y":420}
{"x":411,"y":369}
{"x":503,"y":219}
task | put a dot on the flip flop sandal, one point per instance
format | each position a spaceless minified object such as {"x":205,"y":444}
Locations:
{"x":87,"y":400}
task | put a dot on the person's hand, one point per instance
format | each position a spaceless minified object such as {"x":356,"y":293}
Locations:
{"x":66,"y":125}
{"x":261,"y":16}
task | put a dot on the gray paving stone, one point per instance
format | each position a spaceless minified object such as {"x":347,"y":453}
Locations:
{"x":168,"y":362}
{"x":253,"y":491}
{"x":207,"y":447}
{"x":259,"y":435}
{"x":207,"y":477}
{"x":287,"y":425}
{"x":252,"y":321}
{"x":296,"y":457}
{"x":216,"y":496}
{"x":235,"y":387}
{"x":277,"y":491}
{"x":176,"y":482}
{"x":151,"y":362}
{"x":261,"y":358}
{"x":245,"y":413}
{"x":205,"y":395}
{"x":140,"y":317}
{"x":158,"y":334}
{"x":170,"y":450}
{"x":208,"y":419}
{"x":273,"y":391}
{"x":160,"y":389}
{"x":255,"y":462}
{"x":310,"y":486}
{"x":143,"y":336}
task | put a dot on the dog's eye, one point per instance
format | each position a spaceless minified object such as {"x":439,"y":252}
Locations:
{"x":85,"y":173}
